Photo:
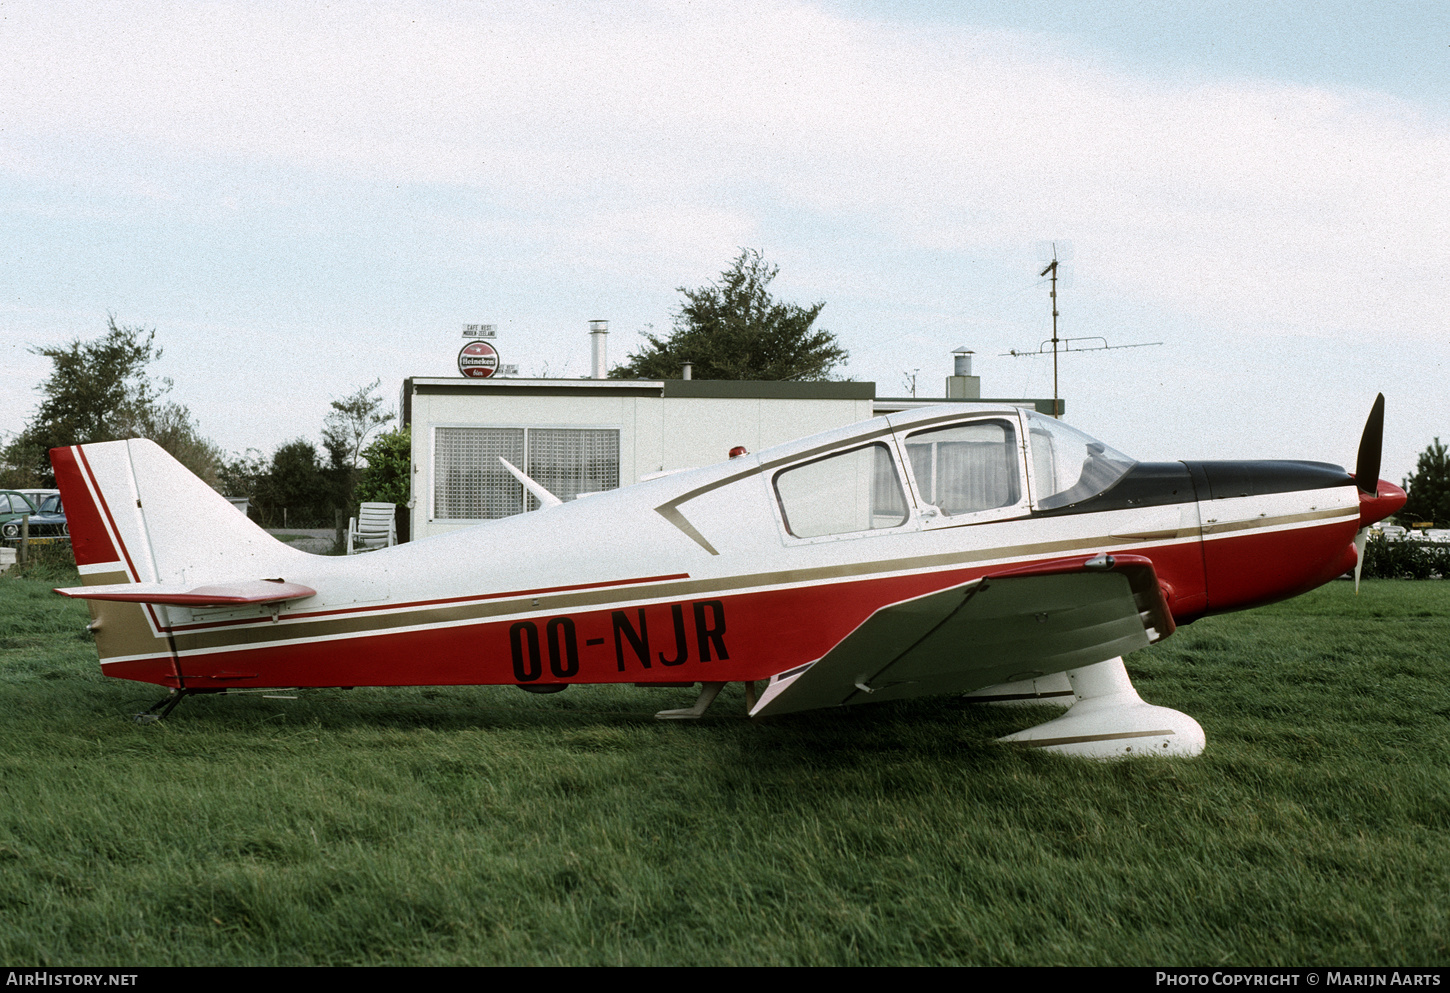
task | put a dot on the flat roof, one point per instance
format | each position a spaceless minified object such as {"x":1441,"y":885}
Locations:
{"x":742,"y":389}
{"x":887,"y":405}
{"x":727,"y":388}
{"x":666,"y":388}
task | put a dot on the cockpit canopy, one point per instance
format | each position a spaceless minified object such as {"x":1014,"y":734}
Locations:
{"x":955,"y":470}
{"x":1069,"y":466}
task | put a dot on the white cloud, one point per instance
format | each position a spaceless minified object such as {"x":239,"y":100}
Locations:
{"x":1303,"y":209}
{"x":640,"y":145}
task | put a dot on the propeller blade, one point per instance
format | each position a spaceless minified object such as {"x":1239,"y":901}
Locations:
{"x":1360,"y":538}
{"x":1367,"y":467}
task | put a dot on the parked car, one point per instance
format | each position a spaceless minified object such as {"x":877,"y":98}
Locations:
{"x":35,"y":496}
{"x":43,"y":527}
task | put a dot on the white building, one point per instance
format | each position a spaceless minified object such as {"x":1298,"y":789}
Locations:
{"x":585,"y":435}
{"x":578,"y":436}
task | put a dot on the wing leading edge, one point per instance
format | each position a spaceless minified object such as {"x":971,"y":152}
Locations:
{"x":1006,"y":626}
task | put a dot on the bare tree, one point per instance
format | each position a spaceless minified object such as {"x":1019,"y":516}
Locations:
{"x":345,"y":431}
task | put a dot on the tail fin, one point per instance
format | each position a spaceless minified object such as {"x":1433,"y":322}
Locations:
{"x":138,"y":515}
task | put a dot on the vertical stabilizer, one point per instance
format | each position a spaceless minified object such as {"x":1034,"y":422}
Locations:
{"x":136,"y":515}
{"x":134,"y":509}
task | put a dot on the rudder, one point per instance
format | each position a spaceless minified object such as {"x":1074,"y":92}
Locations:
{"x":135,"y":509}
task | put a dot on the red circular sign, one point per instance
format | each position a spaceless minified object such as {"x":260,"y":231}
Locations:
{"x":478,"y":360}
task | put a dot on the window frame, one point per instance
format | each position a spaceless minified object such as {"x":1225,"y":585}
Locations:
{"x":908,"y":522}
{"x":933,"y":518}
{"x":1038,"y":488}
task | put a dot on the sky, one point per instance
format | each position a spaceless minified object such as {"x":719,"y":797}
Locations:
{"x":302,"y":198}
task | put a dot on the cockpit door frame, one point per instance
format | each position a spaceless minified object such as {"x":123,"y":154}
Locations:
{"x":930,"y":517}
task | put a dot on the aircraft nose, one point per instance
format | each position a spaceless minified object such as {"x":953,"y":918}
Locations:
{"x":1384,"y":501}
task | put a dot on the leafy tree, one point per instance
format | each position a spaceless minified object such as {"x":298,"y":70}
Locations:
{"x":242,"y":475}
{"x":734,"y":329}
{"x":1428,"y":488}
{"x":98,"y":390}
{"x":389,"y":469}
{"x":22,"y":463}
{"x":170,"y":426}
{"x":353,"y":418}
{"x":309,"y":487}
{"x":294,"y":491}
{"x":344,"y":432}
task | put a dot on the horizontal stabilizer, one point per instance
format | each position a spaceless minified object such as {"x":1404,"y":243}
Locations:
{"x":186,"y":595}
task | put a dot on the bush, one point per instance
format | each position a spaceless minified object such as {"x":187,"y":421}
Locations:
{"x":1405,"y":559}
{"x":388,"y":475}
{"x":53,"y":562}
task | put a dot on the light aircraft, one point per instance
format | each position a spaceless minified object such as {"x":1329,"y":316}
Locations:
{"x":972,"y":549}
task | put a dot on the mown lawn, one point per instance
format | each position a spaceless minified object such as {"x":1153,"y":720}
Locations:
{"x":484,"y":825}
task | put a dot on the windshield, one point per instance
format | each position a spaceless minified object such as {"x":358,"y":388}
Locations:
{"x":1069,"y":466}
{"x":18,"y":503}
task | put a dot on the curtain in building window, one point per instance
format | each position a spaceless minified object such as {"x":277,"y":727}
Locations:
{"x":468,"y":481}
{"x":470,"y":484}
{"x":570,"y":461}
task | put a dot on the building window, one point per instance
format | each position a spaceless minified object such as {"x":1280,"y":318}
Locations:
{"x":570,"y":461}
{"x":469,"y":483}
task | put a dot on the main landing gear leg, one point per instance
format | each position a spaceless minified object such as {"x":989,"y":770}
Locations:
{"x":1109,"y":720}
{"x":708,"y":693}
{"x":166,"y":705}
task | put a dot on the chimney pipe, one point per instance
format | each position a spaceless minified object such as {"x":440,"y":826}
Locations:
{"x":688,"y":370}
{"x":598,"y":332}
{"x":961,"y":384}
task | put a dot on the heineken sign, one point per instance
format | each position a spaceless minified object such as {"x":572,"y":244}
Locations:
{"x":478,"y":360}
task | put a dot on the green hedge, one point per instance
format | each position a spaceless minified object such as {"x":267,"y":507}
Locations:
{"x":1405,"y":559}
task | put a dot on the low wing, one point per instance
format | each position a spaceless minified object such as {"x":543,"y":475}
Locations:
{"x":185,"y":595}
{"x":1012,"y":625}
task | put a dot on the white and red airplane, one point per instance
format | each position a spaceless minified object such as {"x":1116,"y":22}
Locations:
{"x":955,"y":549}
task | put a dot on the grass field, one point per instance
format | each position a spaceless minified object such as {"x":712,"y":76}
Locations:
{"x":484,"y":825}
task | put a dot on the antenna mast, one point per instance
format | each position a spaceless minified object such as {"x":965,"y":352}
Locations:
{"x":1052,"y":268}
{"x":1066,"y":344}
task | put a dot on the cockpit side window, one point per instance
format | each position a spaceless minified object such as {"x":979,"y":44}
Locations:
{"x":1069,"y":466}
{"x":966,"y":468}
{"x":844,"y":493}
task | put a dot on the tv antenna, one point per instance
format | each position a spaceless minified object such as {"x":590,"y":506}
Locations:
{"x":1066,"y":342}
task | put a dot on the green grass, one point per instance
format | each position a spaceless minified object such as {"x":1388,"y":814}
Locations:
{"x":484,"y":825}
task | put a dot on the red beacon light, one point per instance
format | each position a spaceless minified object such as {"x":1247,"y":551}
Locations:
{"x":738,"y":451}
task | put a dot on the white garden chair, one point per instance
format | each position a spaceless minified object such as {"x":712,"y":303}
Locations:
{"x":374,"y":527}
